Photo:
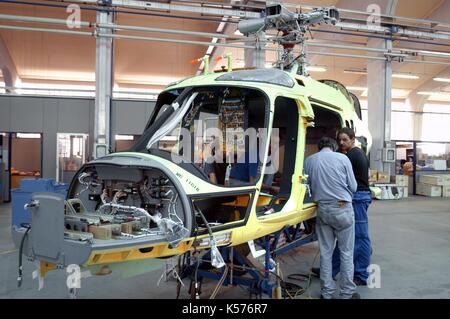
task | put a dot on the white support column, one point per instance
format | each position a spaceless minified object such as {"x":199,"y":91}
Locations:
{"x":103,"y":87}
{"x":379,"y":83}
{"x":7,"y":65}
{"x":256,"y":57}
{"x":417,"y":103}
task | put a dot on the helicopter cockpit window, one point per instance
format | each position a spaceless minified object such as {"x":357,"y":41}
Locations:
{"x":340,"y":87}
{"x":217,"y":130}
{"x":271,"y":76}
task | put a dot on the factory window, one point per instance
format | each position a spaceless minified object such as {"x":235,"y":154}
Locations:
{"x":402,"y":125}
{"x":71,"y":155}
{"x":435,"y":127}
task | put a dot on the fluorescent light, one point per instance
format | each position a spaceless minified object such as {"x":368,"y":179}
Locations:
{"x":28,"y":135}
{"x":315,"y":69}
{"x":356,"y":88}
{"x":137,"y":90}
{"x":124,"y":138}
{"x":58,"y":75}
{"x":51,"y":86}
{"x":405,"y":76}
{"x":362,"y":72}
{"x":436,"y":96}
{"x":268,"y":65}
{"x":447,"y":80}
{"x":135,"y":96}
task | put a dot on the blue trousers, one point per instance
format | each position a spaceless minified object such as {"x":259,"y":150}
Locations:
{"x":363,"y":246}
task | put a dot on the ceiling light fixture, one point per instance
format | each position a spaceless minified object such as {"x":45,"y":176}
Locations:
{"x":316,"y":69}
{"x":405,"y":76}
{"x":446,"y":80}
{"x":352,"y":71}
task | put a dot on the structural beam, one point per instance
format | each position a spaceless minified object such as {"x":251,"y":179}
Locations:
{"x":256,"y":56}
{"x":379,"y":84}
{"x":193,"y":8}
{"x":103,"y":87}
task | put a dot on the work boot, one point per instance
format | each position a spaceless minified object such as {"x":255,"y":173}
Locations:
{"x":359,"y":282}
{"x":315,"y":271}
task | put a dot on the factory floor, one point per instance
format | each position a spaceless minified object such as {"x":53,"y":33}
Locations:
{"x":410,"y":240}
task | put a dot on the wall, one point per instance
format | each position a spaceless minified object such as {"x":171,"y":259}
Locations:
{"x":51,"y":115}
{"x":130,"y":117}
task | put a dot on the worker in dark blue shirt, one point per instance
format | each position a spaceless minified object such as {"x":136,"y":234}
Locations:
{"x":361,"y":200}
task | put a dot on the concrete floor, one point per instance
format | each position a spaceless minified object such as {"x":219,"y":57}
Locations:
{"x":411,"y":240}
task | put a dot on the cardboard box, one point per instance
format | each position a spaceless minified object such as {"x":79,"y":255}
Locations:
{"x":391,"y":191}
{"x":446,"y":191}
{"x":429,"y":190}
{"x":383,"y":177}
{"x":432,"y":179}
{"x":400,"y":180}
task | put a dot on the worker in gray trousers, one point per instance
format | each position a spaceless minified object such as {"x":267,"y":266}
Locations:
{"x":332,"y":183}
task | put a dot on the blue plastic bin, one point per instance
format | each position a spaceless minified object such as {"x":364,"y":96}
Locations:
{"x":22,"y":196}
{"x":19,"y":214}
{"x":36,"y":185}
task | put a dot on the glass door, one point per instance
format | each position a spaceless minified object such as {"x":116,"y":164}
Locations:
{"x":71,"y":155}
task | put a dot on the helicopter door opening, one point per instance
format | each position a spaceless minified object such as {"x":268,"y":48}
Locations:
{"x":326,"y":123}
{"x":277,"y":182}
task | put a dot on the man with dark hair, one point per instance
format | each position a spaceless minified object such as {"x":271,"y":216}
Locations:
{"x":361,"y":201}
{"x":332,"y":183}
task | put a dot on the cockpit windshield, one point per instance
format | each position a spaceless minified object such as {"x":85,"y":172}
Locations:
{"x":215,"y":128}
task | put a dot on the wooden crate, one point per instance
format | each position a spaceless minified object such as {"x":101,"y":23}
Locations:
{"x":432,"y":179}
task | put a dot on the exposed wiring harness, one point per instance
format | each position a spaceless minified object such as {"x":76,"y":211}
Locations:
{"x":20,"y":268}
